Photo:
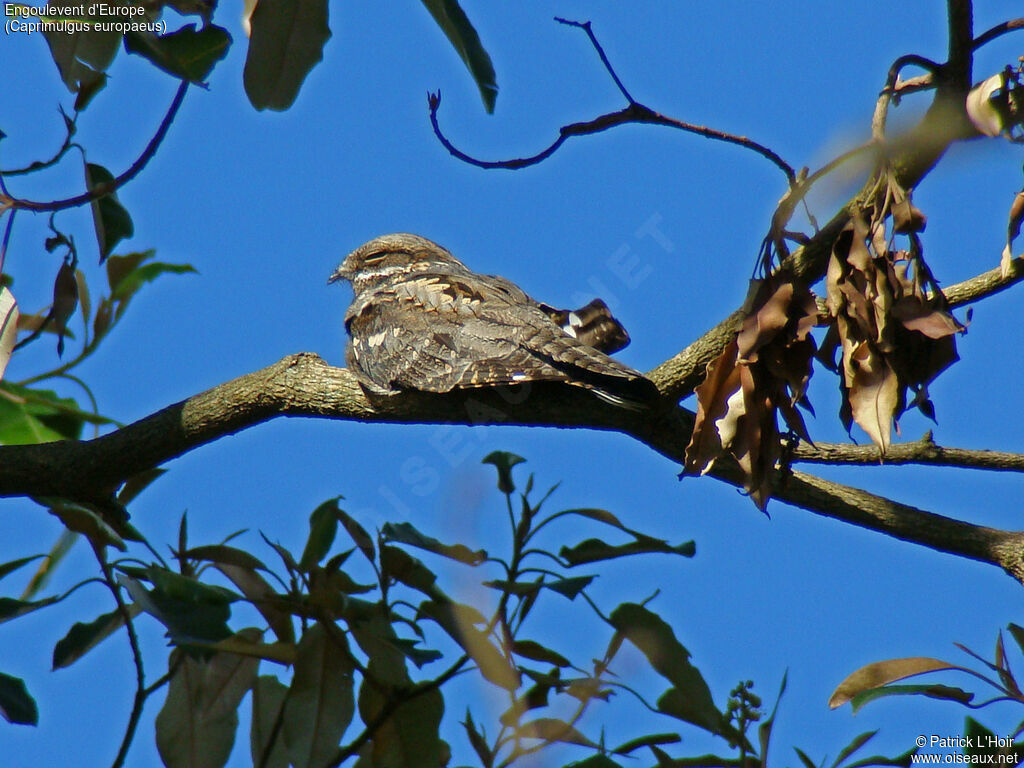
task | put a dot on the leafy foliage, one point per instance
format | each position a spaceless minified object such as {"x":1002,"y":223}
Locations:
{"x":369,"y":666}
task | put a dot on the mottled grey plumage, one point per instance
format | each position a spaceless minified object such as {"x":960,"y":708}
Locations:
{"x":420,"y":319}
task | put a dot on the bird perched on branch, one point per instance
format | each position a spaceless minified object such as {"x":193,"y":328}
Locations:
{"x":420,"y":319}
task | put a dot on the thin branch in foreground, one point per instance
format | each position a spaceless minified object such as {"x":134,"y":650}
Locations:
{"x":102,"y":190}
{"x":133,"y":640}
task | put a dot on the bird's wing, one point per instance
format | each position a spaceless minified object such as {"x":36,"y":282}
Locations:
{"x":430,"y":334}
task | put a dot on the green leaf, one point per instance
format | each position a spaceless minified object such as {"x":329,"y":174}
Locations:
{"x":286,"y":42}
{"x":552,"y":729}
{"x":109,"y":217}
{"x":184,"y":53}
{"x":808,"y":763}
{"x":595,"y":761}
{"x":401,"y":566}
{"x":983,"y":742}
{"x":570,"y":587}
{"x":16,"y":705}
{"x":323,"y":527}
{"x":82,"y":638}
{"x":320,"y":701}
{"x":29,"y":416}
{"x":268,"y":697}
{"x":531,"y":650}
{"x":80,"y":519}
{"x":225,"y":555}
{"x":49,"y":566}
{"x":262,"y":595}
{"x":879,"y":673}
{"x":905,"y":760}
{"x":764,"y":730}
{"x":592,"y":550}
{"x":517,"y":588}
{"x":477,"y":741}
{"x":409,"y":736}
{"x":12,"y":609}
{"x":9,"y":568}
{"x":853,"y":746}
{"x":406,"y":533}
{"x":647,"y":741}
{"x":1018,"y":634}
{"x":358,"y":534}
{"x":457,"y":621}
{"x":81,"y":56}
{"x":147,"y":273}
{"x":196,"y":726}
{"x":504,"y":461}
{"x":464,"y":38}
{"x":197,"y":614}
{"x":137,"y":483}
{"x":946,"y":692}
{"x":689,"y":699}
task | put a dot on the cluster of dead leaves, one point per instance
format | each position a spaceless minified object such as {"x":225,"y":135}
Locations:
{"x":884,"y":312}
{"x":891,"y":322}
{"x":764,"y":370}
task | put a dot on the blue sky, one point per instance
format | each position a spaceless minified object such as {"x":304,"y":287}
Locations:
{"x":265,"y":205}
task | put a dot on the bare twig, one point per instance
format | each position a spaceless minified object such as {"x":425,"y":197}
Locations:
{"x":39,"y":165}
{"x":635,"y":112}
{"x":586,"y":27}
{"x":923,"y":451}
{"x":101,"y":190}
{"x":133,"y":640}
{"x":997,"y":31}
{"x":880,"y":116}
{"x":7,"y":237}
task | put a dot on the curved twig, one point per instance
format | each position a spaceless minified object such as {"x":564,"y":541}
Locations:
{"x":997,"y":31}
{"x":102,"y":190}
{"x":635,"y":112}
{"x":881,"y":114}
{"x":39,"y":165}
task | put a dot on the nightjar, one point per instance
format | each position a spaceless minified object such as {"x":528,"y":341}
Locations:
{"x":420,"y":319}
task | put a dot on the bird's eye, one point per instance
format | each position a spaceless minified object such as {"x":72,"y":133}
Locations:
{"x":375,"y":259}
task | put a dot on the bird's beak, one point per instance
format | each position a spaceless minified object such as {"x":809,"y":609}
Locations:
{"x":339,"y":274}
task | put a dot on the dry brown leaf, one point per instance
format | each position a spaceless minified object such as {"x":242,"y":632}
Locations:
{"x":881,"y":673}
{"x":873,"y":391}
{"x":713,"y":397}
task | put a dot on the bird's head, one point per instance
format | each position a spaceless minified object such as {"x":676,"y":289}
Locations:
{"x":392,"y":256}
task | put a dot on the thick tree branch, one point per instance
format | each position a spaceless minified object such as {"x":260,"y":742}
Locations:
{"x":304,"y":385}
{"x":986,"y":284}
